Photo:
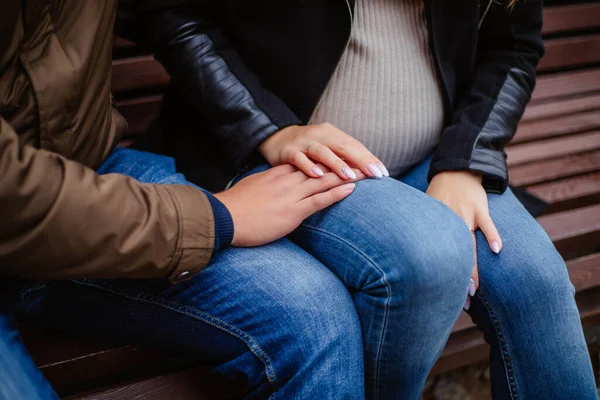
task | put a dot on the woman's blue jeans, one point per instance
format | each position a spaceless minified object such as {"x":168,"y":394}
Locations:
{"x":359,"y":301}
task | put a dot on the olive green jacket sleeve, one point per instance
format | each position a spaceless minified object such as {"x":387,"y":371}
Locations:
{"x":59,"y":219}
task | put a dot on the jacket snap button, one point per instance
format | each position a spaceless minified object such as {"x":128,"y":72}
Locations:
{"x":183,"y":275}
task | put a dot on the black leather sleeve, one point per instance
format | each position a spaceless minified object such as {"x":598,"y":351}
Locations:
{"x":208,"y":71}
{"x":486,"y":116}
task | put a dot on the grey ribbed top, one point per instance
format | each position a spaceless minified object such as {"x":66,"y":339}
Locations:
{"x":385,"y":91}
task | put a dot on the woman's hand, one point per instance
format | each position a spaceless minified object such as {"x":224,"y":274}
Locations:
{"x":302,"y":146}
{"x":463,"y":193}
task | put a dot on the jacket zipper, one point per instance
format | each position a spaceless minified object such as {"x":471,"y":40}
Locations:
{"x":485,"y":13}
{"x":338,"y":61}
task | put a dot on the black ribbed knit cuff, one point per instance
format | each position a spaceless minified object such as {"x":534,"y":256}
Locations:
{"x":223,"y":223}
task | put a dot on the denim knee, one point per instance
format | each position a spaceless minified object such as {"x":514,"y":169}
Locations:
{"x":530,"y":272}
{"x":388,"y":237}
{"x":433,"y":257}
{"x":441,"y":258}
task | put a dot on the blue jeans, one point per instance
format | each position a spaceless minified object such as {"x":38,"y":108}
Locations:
{"x":19,"y":377}
{"x":359,"y":301}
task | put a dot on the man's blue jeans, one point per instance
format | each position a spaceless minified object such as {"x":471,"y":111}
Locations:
{"x":370,"y":287}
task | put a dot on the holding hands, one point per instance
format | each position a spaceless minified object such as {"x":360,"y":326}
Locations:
{"x":269,"y":205}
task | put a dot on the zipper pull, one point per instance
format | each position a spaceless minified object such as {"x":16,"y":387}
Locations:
{"x":487,"y":9}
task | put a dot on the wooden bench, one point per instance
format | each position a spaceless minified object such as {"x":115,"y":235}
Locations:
{"x":555,"y":155}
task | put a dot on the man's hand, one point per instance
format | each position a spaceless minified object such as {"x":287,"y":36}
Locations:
{"x":302,"y":146}
{"x":463,"y":193}
{"x":269,"y":205}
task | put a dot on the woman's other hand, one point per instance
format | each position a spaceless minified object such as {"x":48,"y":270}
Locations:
{"x":304,"y":146}
{"x":462,"y":192}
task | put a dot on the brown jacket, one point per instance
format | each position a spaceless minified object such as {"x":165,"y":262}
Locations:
{"x":58,"y":218}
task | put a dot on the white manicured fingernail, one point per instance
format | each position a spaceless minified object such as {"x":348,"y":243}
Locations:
{"x":348,"y":187}
{"x":467,"y":303}
{"x":383,"y":169}
{"x":495,"y":247}
{"x":374,"y":170}
{"x":349,"y":173}
{"x":472,"y":288}
{"x":317,"y":171}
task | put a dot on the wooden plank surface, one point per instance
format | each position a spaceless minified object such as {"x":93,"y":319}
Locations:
{"x":574,"y":17}
{"x":575,"y":231}
{"x":557,"y":147}
{"x":72,"y":363}
{"x":570,"y":52}
{"x":588,"y":303}
{"x":585,"y":272}
{"x":191,"y":384}
{"x":569,"y":224}
{"x":554,"y":109}
{"x":462,"y":348}
{"x":566,"y":84}
{"x":557,"y":126}
{"x":138,"y":73}
{"x":569,"y":193}
{"x":121,"y":43}
{"x":557,"y":168}
{"x":139,"y":112}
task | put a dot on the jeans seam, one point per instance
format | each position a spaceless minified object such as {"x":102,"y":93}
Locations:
{"x":504,"y":351}
{"x":193,"y":312}
{"x":387,"y":300}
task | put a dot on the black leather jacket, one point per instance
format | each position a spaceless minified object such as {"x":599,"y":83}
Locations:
{"x":243,"y":69}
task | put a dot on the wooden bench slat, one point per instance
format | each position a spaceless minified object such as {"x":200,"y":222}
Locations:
{"x":569,"y":193}
{"x":573,"y":17}
{"x":122,"y":43}
{"x":139,"y":112}
{"x":566,"y":84}
{"x":555,"y":109}
{"x":564,"y":167}
{"x":463,"y":348}
{"x":570,"y":52}
{"x":463,"y":322}
{"x":193,"y":384}
{"x":138,"y":73}
{"x":585,"y":272}
{"x":546,"y":149}
{"x":562,"y":125}
{"x":575,"y":231}
{"x":53,"y":349}
{"x":69,"y":362}
{"x":588,"y":303}
{"x":568,"y":224}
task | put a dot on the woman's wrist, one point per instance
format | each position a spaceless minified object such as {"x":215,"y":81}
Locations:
{"x":268,"y":147}
{"x":470,"y":175}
